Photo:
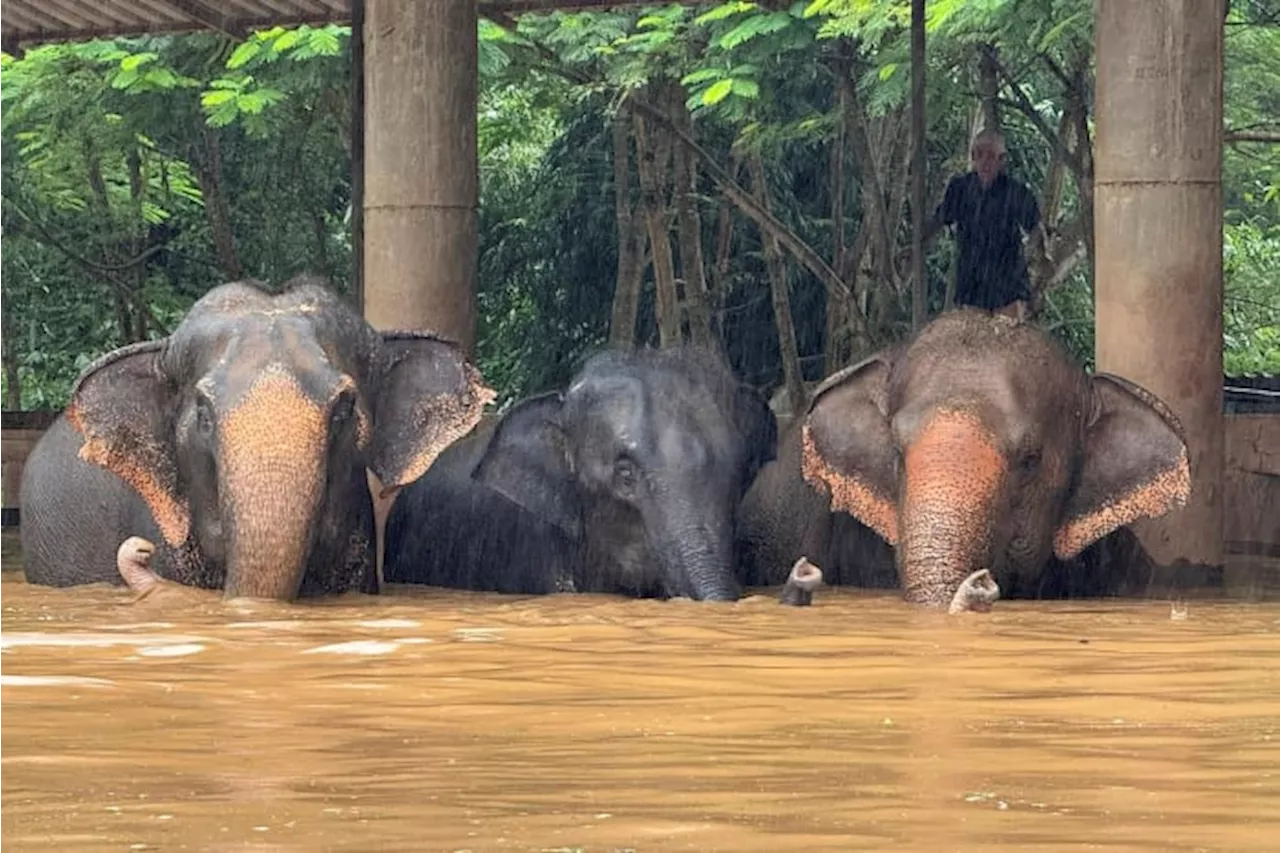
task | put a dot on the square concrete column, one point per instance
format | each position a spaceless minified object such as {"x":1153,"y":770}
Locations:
{"x":1158,"y":230}
{"x":421,"y":186}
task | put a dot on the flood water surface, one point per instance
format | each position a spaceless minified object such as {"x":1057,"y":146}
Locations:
{"x":435,"y":720}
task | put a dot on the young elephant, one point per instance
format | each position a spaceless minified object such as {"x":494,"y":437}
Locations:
{"x":626,"y":483}
{"x":239,"y":445}
{"x":977,"y":445}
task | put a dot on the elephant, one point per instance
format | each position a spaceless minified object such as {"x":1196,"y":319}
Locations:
{"x":239,"y":445}
{"x":625,"y":483}
{"x":979,"y":443}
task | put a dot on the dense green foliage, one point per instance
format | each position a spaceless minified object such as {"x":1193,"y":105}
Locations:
{"x":138,"y":173}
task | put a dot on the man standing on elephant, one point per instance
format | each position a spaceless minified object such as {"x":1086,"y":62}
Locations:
{"x":990,"y":211}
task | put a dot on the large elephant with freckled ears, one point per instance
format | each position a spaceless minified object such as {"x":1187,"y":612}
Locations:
{"x":627,"y":483}
{"x":239,"y":444}
{"x":979,"y":444}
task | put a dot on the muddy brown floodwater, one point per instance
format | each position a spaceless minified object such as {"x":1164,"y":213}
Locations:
{"x":430,"y":720}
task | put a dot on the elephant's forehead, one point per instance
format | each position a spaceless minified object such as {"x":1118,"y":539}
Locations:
{"x":232,"y":353}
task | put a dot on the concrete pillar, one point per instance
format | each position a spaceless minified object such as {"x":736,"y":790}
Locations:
{"x":1158,"y":229}
{"x":420,"y":171}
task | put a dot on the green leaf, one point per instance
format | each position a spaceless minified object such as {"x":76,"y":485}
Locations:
{"x":324,"y":41}
{"x":217,"y":96}
{"x":746,"y":88}
{"x":1058,"y":29}
{"x":286,"y":41}
{"x":161,"y":78}
{"x":244,"y":53}
{"x":754,"y":26}
{"x":137,"y":60}
{"x":702,"y":75}
{"x":124,"y":79}
{"x":717,"y":92}
{"x":725,"y":10}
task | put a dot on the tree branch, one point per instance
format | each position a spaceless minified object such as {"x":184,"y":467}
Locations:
{"x":1231,"y":136}
{"x":748,"y":205}
{"x":92,"y":266}
{"x":1025,"y":106}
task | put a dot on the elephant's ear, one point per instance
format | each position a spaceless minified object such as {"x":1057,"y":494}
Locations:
{"x":528,"y":462}
{"x":427,"y":397}
{"x":120,"y":404}
{"x":848,"y":445}
{"x":1135,"y":465}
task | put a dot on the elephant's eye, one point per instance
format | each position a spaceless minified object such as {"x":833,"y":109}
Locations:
{"x":343,"y":409}
{"x":204,"y":416}
{"x":625,"y":475}
{"x":1030,"y":461}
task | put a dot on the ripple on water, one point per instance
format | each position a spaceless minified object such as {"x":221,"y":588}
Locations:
{"x":53,"y":681}
{"x":11,"y":640}
{"x":356,"y":647}
{"x":174,"y":651}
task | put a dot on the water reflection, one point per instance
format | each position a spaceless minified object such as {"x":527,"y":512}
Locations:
{"x":435,"y":720}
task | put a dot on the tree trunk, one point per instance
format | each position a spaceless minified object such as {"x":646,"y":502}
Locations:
{"x":724,"y":244}
{"x":919,"y":287}
{"x":989,"y":87}
{"x":651,"y":159}
{"x":208,"y":163}
{"x":321,"y":233}
{"x":781,"y":296}
{"x":626,"y":289}
{"x":689,"y":226}
{"x":9,"y":355}
{"x":836,"y":307}
{"x":1085,"y":177}
{"x":135,"y":279}
{"x":873,"y":200}
{"x":749,"y":205}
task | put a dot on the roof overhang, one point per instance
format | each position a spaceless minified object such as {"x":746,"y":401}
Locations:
{"x":28,"y":22}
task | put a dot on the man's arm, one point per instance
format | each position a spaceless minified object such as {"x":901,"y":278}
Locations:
{"x":944,"y":214}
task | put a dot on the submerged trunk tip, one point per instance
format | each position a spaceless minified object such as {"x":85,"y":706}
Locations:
{"x":976,"y":593}
{"x":805,"y":577}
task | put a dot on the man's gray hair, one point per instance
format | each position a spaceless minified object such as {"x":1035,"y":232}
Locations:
{"x":988,"y":136}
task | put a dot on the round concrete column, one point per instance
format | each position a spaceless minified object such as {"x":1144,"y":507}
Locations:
{"x":1158,"y":230}
{"x":421,"y":186}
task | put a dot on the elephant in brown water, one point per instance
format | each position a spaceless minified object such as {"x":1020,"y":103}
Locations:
{"x":625,"y":483}
{"x":977,"y":444}
{"x":239,"y":445}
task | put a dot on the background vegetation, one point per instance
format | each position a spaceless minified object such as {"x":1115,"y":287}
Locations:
{"x":728,"y":174}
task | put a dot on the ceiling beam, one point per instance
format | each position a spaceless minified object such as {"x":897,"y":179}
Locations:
{"x":28,"y":22}
{"x":210,"y":17}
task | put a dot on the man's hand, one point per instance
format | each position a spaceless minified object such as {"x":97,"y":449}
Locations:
{"x":1018,"y":310}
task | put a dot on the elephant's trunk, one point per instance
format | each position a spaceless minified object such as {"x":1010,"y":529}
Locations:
{"x":696,"y":551}
{"x":954,"y":475}
{"x":271,"y":481}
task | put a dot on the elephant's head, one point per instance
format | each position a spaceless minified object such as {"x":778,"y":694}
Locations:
{"x":646,"y":456}
{"x":248,"y":430}
{"x":982,"y":445}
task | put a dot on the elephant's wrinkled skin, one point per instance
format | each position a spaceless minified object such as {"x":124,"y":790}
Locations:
{"x":626,"y":483}
{"x":239,"y":446}
{"x":979,"y":444}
